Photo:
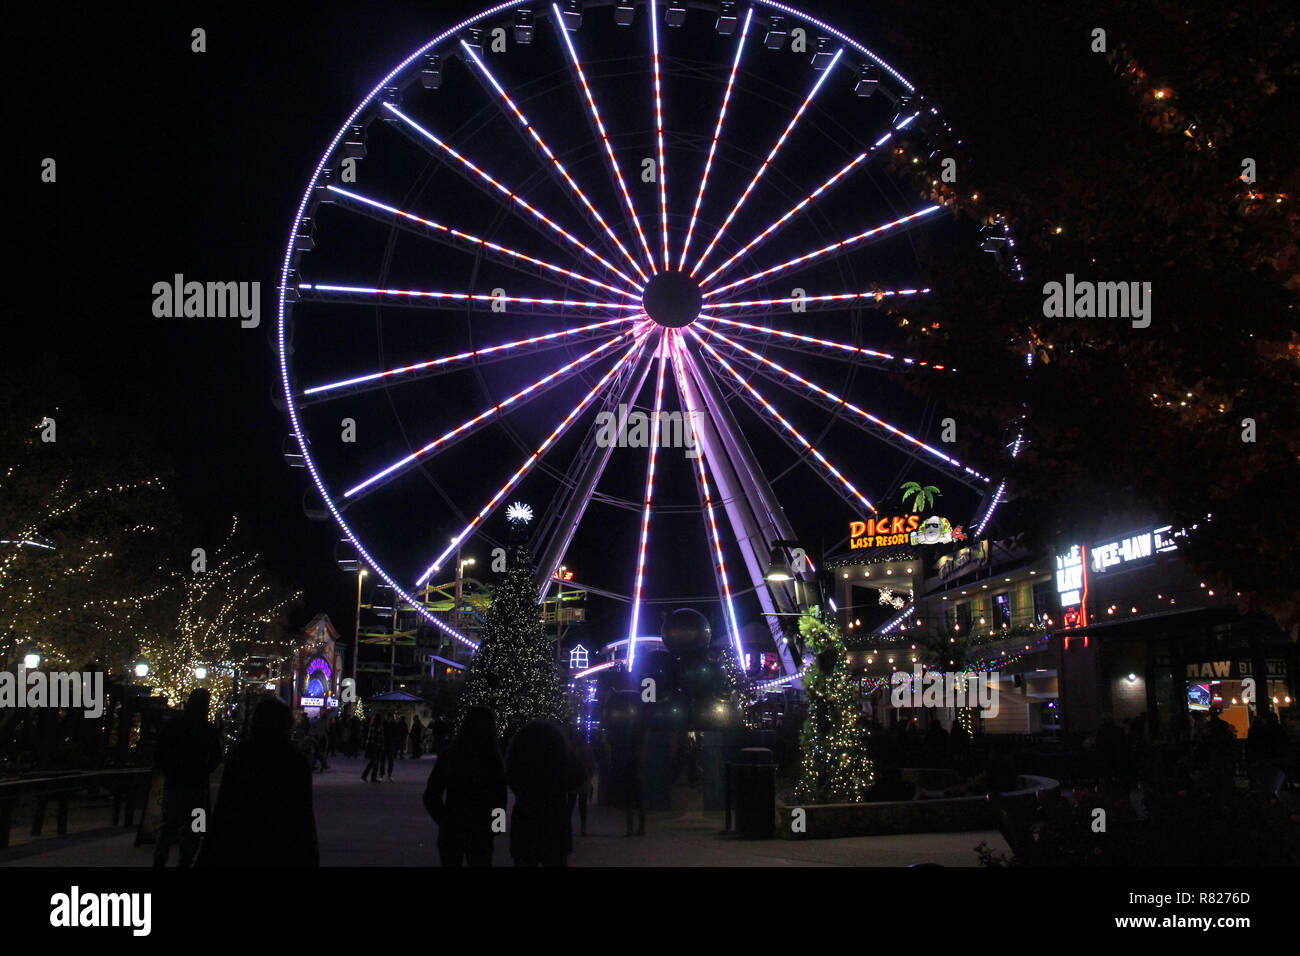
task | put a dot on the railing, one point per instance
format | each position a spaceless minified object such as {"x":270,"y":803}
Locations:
{"x":127,"y":786}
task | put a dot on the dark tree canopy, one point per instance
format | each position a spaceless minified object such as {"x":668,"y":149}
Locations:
{"x":1125,"y":166}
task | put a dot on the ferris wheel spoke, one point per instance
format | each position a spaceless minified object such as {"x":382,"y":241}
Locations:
{"x":833,"y":301}
{"x":883,"y":429}
{"x":457,"y":238}
{"x":706,"y":497}
{"x":426,"y":136}
{"x":577,"y":489}
{"x":644,"y":541}
{"x":479,"y":421}
{"x":662,"y":173}
{"x":448,"y":363}
{"x":874,"y":234}
{"x":778,"y":223}
{"x":850,"y":353}
{"x":428,"y":299}
{"x":556,"y":165}
{"x":776,"y":148}
{"x":756,"y":397}
{"x":604,"y":137}
{"x":717,"y":132}
{"x":532,"y":460}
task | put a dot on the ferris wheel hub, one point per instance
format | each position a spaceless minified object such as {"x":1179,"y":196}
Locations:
{"x":672,"y":299}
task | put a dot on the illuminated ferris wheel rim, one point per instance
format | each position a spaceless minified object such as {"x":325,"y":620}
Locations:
{"x":669,"y":323}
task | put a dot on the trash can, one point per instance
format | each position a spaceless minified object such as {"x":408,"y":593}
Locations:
{"x":752,"y":786}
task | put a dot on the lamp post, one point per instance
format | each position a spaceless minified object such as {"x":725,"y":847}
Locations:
{"x":780,"y":571}
{"x":460,"y":577}
{"x":356,"y":634}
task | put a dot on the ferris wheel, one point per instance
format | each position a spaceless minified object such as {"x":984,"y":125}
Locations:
{"x":551,"y":217}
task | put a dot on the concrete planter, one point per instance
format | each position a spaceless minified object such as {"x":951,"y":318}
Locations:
{"x":827,"y":820}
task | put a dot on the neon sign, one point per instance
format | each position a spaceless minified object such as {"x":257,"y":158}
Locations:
{"x":320,"y":664}
{"x":1133,"y":548}
{"x":882,"y":532}
{"x":1072,"y":586}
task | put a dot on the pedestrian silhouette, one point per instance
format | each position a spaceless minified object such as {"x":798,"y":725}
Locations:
{"x":542,"y":771}
{"x":626,"y":738}
{"x":466,"y":789}
{"x":374,"y":749}
{"x":393,"y":735}
{"x":582,"y":797}
{"x":417,"y":737}
{"x":264,"y":815}
{"x":188,"y":750}
{"x":354,"y":735}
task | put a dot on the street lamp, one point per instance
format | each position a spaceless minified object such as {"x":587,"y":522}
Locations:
{"x":356,"y":634}
{"x":460,"y":576}
{"x":140,"y":668}
{"x":777,"y":569}
{"x":32,"y":660}
{"x":200,"y":673}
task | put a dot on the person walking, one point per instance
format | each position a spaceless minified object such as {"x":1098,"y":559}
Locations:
{"x":627,"y":770}
{"x":582,"y":797}
{"x":374,"y":749}
{"x":392,"y":739}
{"x":188,"y":750}
{"x":466,"y":792}
{"x":333,"y":736}
{"x":542,"y":772}
{"x":264,"y":815}
{"x":402,"y":733}
{"x":417,"y":738}
{"x":354,"y":735}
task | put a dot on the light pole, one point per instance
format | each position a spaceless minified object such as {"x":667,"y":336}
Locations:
{"x":356,"y":634}
{"x":460,"y":577}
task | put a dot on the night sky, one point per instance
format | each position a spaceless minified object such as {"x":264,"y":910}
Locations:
{"x":175,"y":162}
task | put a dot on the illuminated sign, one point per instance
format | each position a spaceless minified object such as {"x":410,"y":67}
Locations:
{"x":566,"y":575}
{"x":1072,"y":586}
{"x":318,"y":702}
{"x":973,"y":556}
{"x":578,"y":658}
{"x":320,"y":664}
{"x":1133,"y":548}
{"x":936,"y":530}
{"x":1234,"y":669}
{"x":882,"y":532}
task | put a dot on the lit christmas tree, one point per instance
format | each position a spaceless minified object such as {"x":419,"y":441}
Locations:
{"x":221,"y":622}
{"x":513,"y":671}
{"x":81,"y":531}
{"x":833,"y":762}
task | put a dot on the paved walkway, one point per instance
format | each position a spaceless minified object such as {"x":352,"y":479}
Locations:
{"x":365,"y":824}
